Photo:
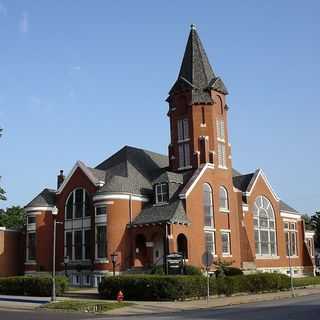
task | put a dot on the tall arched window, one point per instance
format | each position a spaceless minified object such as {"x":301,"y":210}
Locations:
{"x":208,"y":206}
{"x":223,"y":199}
{"x":264,"y":227}
{"x":78,"y":204}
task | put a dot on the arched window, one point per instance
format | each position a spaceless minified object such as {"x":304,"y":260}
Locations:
{"x":264,"y":227}
{"x":182,"y":244}
{"x":208,"y":206}
{"x":78,"y":204}
{"x":223,"y":199}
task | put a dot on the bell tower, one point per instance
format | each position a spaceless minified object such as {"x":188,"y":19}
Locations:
{"x":198,"y":113}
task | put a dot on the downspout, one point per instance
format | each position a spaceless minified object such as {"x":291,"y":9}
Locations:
{"x":130,"y":208}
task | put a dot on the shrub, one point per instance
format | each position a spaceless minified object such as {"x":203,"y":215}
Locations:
{"x":159,"y":270}
{"x":188,"y":270}
{"x":32,"y":286}
{"x":153,"y":287}
{"x":192,"y":271}
{"x":253,"y":283}
{"x":228,"y":272}
{"x":160,"y":287}
{"x":306,"y":281}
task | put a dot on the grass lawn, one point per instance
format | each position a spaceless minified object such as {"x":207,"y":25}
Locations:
{"x":85,"y":305}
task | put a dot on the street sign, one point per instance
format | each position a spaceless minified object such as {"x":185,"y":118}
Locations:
{"x":175,"y":263}
{"x":207,"y":259}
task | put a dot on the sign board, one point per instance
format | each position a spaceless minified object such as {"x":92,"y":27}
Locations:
{"x":207,"y":259}
{"x":175,"y":263}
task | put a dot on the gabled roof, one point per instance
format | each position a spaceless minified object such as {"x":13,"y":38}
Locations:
{"x":242,"y":182}
{"x":132,"y":170}
{"x":196,"y":73}
{"x":173,"y":212}
{"x":93,"y":175}
{"x":286,"y":208}
{"x":46,"y":198}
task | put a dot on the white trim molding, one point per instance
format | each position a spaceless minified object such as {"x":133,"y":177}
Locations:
{"x":119,"y":196}
{"x":195,"y":178}
{"x":37,"y":209}
{"x":290,"y":215}
{"x":85,"y":170}
{"x":265,"y":179}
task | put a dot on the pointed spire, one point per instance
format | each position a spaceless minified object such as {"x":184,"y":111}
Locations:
{"x":196,"y":73}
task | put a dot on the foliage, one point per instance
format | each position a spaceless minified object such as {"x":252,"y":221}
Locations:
{"x":192,"y":271}
{"x":32,"y":286}
{"x":153,"y":287}
{"x":12,"y":218}
{"x":85,"y":305}
{"x":224,"y":269}
{"x":315,"y":221}
{"x":157,"y":287}
{"x":306,"y":281}
{"x":307,"y":222}
{"x":188,"y":270}
{"x":159,"y":270}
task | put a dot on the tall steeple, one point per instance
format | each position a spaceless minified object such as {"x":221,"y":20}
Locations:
{"x":196,"y":73}
{"x":198,"y":113}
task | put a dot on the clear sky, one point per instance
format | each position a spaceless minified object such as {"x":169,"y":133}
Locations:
{"x":81,"y":79}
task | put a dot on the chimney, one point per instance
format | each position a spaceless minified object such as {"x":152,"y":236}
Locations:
{"x":60,"y":179}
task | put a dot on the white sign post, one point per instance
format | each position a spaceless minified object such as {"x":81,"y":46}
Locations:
{"x":207,"y":261}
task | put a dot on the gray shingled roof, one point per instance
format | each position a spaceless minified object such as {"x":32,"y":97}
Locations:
{"x":196,"y":73}
{"x":46,"y":198}
{"x":242,"y":182}
{"x":173,"y":212}
{"x":132,"y":170}
{"x":285,"y":207}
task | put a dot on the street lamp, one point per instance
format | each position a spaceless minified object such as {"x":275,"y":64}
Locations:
{"x":54,"y":216}
{"x":114,"y":260}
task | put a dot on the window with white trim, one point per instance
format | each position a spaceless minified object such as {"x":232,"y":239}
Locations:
{"x":162,"y":192}
{"x":208,"y":206}
{"x":209,"y":242}
{"x":223,"y":199}
{"x":101,"y":241}
{"x":220,"y":130}
{"x":222,"y":161}
{"x":225,"y":241}
{"x":77,"y":244}
{"x":31,"y":219}
{"x":290,"y":232}
{"x":183,"y":143}
{"x":264,"y":227}
{"x":101,"y":210}
{"x":77,"y":205}
{"x":310,"y":245}
{"x":31,"y":246}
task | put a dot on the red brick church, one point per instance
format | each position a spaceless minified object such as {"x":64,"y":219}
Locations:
{"x":141,"y":205}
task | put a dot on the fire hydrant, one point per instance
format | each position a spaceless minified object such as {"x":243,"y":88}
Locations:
{"x":120,"y":296}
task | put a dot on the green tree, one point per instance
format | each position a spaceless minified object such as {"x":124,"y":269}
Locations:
{"x":307,"y":222}
{"x":315,"y":221}
{"x":12,"y":218}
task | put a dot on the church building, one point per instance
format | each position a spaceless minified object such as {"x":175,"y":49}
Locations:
{"x":137,"y":206}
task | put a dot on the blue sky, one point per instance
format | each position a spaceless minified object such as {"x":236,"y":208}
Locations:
{"x":80,"y":79}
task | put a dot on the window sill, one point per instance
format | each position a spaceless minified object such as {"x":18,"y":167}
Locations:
{"x":221,"y":140}
{"x":159,"y":204}
{"x":184,"y":140}
{"x":82,"y":262}
{"x":223,"y":210}
{"x":30,"y":262}
{"x":223,"y":168}
{"x":203,"y":125}
{"x":226,"y":255}
{"x":266,"y":257}
{"x":292,"y":257}
{"x":101,"y":260}
{"x":184,"y":168}
{"x":209,"y":229}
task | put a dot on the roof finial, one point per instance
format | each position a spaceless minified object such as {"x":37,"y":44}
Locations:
{"x":193,"y":26}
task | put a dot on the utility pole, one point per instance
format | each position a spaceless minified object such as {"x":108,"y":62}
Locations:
{"x":54,"y":214}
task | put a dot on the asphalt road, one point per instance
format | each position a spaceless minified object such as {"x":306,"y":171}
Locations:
{"x":301,"y":308}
